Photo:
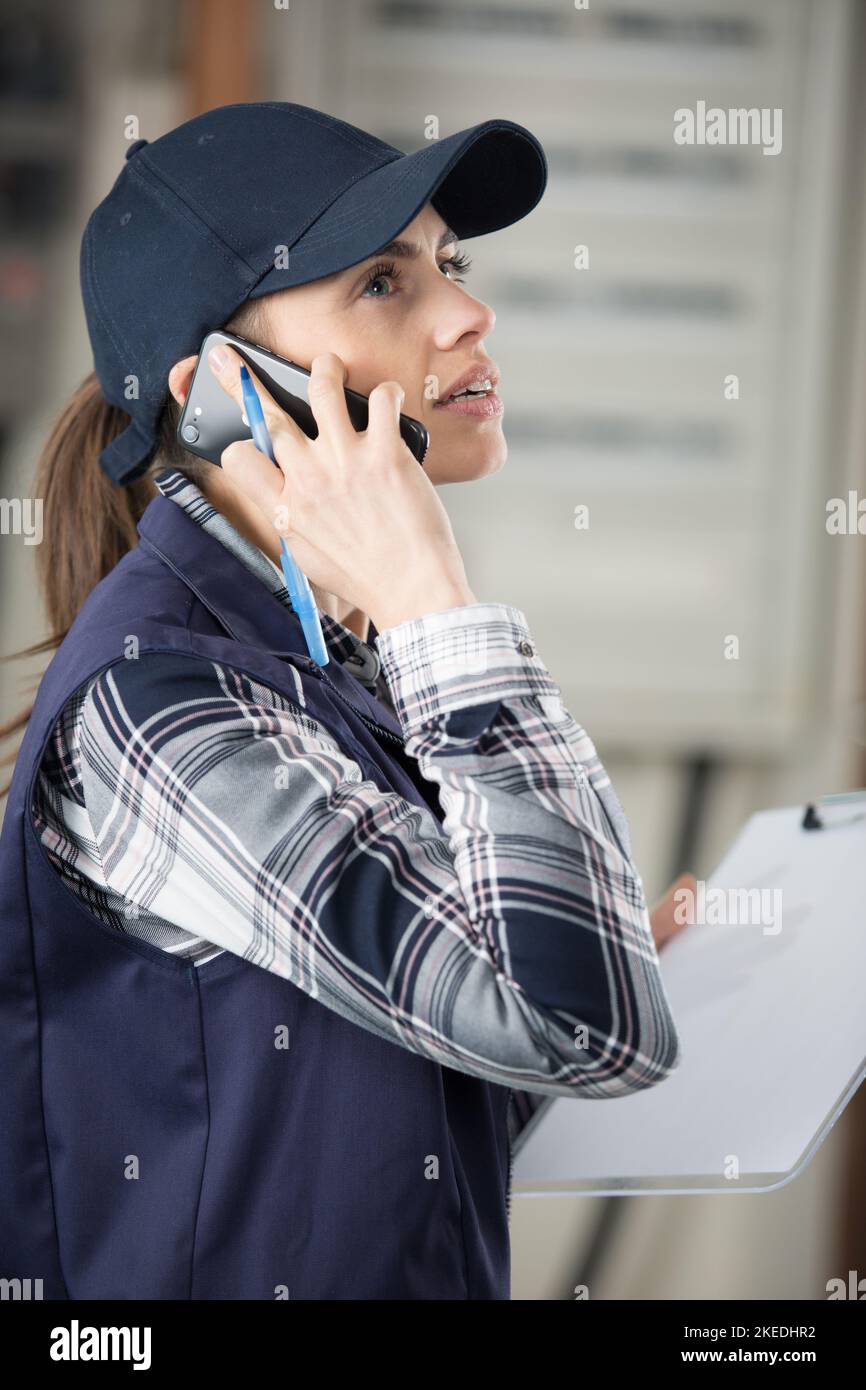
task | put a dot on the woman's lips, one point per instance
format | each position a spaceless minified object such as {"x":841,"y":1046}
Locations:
{"x":482,"y":407}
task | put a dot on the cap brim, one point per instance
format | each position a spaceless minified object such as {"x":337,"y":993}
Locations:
{"x":479,"y":180}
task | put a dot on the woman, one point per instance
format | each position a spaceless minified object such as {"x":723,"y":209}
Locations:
{"x":285,"y":942}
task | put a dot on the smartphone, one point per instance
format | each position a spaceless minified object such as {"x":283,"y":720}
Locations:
{"x":211,"y":420}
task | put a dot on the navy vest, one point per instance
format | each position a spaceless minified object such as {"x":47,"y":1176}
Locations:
{"x":263,"y":1172}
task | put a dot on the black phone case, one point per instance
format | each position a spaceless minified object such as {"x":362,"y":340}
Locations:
{"x":210,"y":420}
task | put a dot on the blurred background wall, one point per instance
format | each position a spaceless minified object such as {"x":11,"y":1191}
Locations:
{"x":706,"y":507}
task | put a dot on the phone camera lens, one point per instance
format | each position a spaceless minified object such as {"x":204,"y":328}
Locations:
{"x":190,"y":433}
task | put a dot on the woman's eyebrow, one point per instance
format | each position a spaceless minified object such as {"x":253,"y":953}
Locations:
{"x":410,"y":250}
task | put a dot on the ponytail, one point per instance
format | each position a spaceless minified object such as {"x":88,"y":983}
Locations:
{"x":89,"y":522}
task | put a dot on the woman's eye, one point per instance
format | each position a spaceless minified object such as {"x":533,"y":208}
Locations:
{"x":457,"y":266}
{"x":372,"y":285}
{"x":384,"y":274}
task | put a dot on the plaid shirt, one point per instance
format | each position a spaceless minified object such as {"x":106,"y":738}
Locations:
{"x":194,"y":807}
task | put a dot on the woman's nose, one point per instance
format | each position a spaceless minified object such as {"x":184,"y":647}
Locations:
{"x":462,"y":314}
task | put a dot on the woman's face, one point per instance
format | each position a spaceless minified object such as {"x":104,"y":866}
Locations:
{"x":404,"y":315}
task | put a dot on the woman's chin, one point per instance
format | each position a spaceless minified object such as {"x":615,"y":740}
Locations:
{"x":466,"y":465}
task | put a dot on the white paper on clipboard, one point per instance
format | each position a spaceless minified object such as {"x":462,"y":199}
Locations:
{"x":772,"y":1025}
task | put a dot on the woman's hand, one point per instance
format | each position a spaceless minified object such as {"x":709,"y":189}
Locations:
{"x":360,"y":516}
{"x":662,"y":920}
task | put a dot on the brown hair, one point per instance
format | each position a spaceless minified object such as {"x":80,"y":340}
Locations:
{"x":89,"y":521}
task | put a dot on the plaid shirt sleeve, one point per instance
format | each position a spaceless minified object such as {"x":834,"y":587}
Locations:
{"x":511,"y":942}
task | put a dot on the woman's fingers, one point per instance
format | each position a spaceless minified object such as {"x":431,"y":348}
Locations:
{"x":255,"y":475}
{"x":227,"y":371}
{"x":328,"y":400}
{"x":670,"y":915}
{"x":386,"y":401}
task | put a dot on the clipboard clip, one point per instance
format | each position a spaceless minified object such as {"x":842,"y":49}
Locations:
{"x":813,"y":821}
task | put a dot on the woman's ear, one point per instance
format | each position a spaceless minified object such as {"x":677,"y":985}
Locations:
{"x":180,"y":376}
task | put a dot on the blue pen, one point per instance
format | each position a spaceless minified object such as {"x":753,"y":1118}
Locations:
{"x":296,"y":581}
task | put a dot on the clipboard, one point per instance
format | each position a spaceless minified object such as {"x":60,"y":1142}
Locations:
{"x":767,"y":993}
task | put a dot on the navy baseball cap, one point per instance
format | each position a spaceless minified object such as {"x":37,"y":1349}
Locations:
{"x":252,"y":198}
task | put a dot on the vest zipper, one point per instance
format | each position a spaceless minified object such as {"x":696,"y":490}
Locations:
{"x":316,"y":670}
{"x":320,"y":673}
{"x":510,"y":1156}
{"x":306,"y":661}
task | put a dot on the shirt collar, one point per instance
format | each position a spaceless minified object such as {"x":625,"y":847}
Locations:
{"x":343,"y":645}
